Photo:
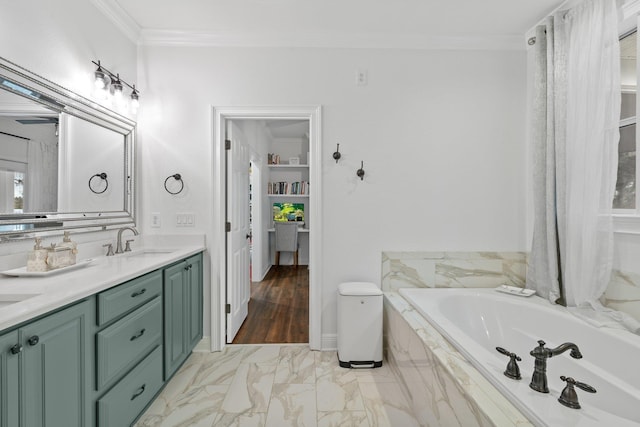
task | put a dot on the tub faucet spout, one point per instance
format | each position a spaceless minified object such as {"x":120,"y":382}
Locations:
{"x":541,"y":354}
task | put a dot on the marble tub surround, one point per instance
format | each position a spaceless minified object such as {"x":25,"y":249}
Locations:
{"x":623,"y":293}
{"x":57,"y":290}
{"x":452,"y":269}
{"x":279,"y":386}
{"x":443,"y":387}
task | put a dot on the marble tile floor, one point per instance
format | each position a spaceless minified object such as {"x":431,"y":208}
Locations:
{"x":277,"y":386}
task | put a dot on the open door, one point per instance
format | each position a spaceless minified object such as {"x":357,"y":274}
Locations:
{"x":238,"y":281}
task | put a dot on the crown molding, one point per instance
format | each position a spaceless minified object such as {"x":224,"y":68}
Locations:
{"x":116,"y":14}
{"x":151,"y":37}
{"x":155,"y":37}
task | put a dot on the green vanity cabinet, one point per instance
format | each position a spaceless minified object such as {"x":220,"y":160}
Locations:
{"x":182,"y":311}
{"x":101,"y":361}
{"x":44,"y":370}
{"x":10,"y":350}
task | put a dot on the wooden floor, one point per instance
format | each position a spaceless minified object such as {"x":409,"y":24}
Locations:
{"x":278,"y":309}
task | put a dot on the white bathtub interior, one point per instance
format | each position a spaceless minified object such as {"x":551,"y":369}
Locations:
{"x":476,"y":321}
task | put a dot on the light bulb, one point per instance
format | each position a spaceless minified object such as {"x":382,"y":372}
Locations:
{"x":135,"y":101}
{"x":100,"y":78}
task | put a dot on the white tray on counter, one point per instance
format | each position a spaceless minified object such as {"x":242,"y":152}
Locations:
{"x":22,"y":271}
{"x":513,"y":290}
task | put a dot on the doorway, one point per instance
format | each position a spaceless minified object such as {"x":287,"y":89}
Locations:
{"x":278,"y":307}
{"x":220,"y":270}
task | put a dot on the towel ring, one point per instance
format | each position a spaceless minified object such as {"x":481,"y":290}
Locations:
{"x":103,"y":177}
{"x":177,"y":177}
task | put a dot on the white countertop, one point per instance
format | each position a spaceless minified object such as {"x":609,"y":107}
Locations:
{"x":57,"y":290}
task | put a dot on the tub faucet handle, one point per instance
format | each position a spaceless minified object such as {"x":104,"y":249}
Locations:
{"x":569,"y":397}
{"x":513,"y":370}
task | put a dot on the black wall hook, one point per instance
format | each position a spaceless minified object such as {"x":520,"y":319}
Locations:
{"x":336,"y":154}
{"x":177,"y":177}
{"x":103,"y":177}
{"x":360,"y":172}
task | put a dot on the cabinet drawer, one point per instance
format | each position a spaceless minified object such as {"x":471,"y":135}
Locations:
{"x":124,"y":343}
{"x":119,"y":300}
{"x":126,"y":400}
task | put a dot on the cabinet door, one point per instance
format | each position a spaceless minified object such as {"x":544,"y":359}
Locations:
{"x":195,"y":300}
{"x":10,"y":350}
{"x":175,"y":320}
{"x":55,"y":384}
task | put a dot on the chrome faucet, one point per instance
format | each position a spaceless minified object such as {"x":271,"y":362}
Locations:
{"x":119,"y":244}
{"x":541,"y":354}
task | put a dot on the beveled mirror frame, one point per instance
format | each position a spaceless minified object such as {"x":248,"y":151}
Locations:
{"x":63,"y":100}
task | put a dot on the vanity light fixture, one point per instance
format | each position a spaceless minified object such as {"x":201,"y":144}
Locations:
{"x":108,"y":81}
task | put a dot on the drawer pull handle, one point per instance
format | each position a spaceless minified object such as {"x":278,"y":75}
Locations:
{"x":16,"y":349}
{"x":137,"y":294}
{"x":138,"y":335}
{"x":138,"y":392}
{"x":33,"y":340}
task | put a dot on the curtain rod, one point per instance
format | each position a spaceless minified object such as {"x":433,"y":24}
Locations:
{"x":15,"y":136}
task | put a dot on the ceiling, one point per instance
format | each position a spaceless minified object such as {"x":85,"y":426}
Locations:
{"x":350,"y":22}
{"x":288,"y":128}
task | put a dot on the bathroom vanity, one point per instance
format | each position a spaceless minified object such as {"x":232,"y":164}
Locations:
{"x":94,"y":346}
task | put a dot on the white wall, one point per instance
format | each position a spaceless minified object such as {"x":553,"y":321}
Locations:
{"x":441,"y":134}
{"x":87,"y":150}
{"x":58,"y":39}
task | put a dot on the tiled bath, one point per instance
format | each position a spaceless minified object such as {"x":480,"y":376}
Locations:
{"x":443,"y":388}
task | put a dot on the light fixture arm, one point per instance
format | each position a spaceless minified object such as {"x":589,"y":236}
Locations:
{"x":114,"y":76}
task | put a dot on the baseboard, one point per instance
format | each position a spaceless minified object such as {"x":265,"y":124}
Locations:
{"x":264,"y":274}
{"x":329,"y":342}
{"x":204,"y":346}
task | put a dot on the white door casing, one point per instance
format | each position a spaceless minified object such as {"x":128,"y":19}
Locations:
{"x":217,"y":246}
{"x":238,"y":282}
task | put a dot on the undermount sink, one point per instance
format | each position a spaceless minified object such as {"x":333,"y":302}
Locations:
{"x":146,"y":253}
{"x":9,"y":299}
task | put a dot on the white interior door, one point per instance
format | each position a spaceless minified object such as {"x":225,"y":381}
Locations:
{"x":238,"y":282}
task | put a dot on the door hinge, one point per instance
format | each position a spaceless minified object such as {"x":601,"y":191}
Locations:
{"x":227,"y":226}
{"x":228,"y":308}
{"x":227,"y":144}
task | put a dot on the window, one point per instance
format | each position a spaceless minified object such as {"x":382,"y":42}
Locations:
{"x":624,"y":199}
{"x":18,"y":192}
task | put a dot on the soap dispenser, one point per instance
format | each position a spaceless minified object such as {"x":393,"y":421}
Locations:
{"x":37,"y":259}
{"x":73,"y":247}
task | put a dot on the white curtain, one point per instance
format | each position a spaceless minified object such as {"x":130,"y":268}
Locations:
{"x":6,"y":191}
{"x":577,"y":173}
{"x":547,"y":135}
{"x":41,"y":181}
{"x":593,"y":116}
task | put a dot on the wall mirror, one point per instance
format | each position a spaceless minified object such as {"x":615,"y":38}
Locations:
{"x":65,"y":161}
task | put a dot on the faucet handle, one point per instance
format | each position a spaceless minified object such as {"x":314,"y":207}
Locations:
{"x":127,"y":247}
{"x":569,"y":397}
{"x":109,"y":247}
{"x":513,"y":370}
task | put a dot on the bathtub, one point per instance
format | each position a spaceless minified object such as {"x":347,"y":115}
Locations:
{"x":476,"y":321}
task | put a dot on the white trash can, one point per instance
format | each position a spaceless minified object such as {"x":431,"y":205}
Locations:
{"x":359,"y":325}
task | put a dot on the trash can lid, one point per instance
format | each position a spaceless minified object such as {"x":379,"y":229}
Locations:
{"x":359,"y":289}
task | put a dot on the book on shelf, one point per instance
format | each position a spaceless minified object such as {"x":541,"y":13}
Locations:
{"x":288,"y":188}
{"x":273,"y":159}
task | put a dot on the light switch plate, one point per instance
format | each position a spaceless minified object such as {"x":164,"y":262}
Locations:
{"x":185,"y":219}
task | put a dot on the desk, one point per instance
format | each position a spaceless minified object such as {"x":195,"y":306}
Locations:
{"x":286,"y":258}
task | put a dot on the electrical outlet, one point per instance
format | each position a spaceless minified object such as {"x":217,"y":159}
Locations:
{"x":155,"y":220}
{"x":361,"y":78}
